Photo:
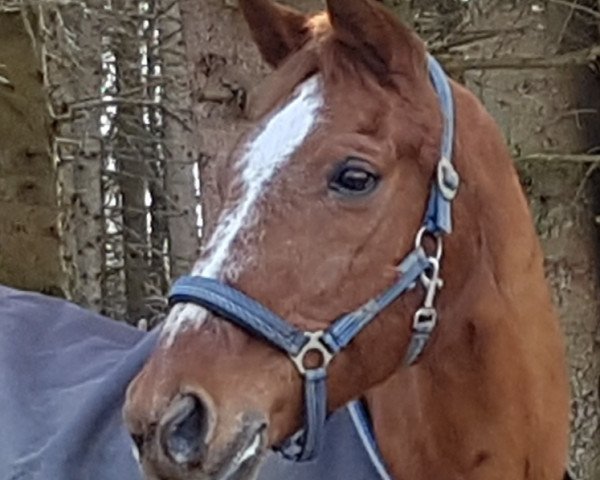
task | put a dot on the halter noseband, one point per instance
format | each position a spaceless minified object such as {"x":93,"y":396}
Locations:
{"x":418,"y":266}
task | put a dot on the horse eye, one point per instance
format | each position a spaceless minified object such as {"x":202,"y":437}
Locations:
{"x":353,"y":178}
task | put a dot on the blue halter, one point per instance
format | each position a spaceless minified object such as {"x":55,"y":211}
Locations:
{"x":418,"y":266}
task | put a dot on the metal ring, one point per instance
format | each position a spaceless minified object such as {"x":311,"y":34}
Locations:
{"x":430,"y":276}
{"x":439,"y":249}
{"x":314,"y":344}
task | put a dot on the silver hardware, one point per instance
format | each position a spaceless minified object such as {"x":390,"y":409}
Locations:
{"x":439,"y":246}
{"x":447,"y":179}
{"x":425,"y":318}
{"x":314,"y":344}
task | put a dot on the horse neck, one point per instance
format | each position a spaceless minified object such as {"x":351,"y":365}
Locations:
{"x":471,"y":407}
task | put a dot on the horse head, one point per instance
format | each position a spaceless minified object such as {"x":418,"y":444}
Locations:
{"x":324,"y":197}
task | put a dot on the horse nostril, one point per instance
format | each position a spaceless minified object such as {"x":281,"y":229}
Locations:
{"x":184,"y":429}
{"x":138,"y":440}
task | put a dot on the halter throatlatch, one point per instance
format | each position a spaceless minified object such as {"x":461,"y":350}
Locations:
{"x":418,"y":267}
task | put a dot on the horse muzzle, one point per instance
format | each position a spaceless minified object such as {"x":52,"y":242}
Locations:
{"x":187,"y":442}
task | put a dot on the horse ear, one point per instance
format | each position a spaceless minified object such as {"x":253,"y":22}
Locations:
{"x":277,"y":30}
{"x":378,"y":36}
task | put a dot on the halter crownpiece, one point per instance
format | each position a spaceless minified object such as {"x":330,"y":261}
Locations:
{"x":418,"y":266}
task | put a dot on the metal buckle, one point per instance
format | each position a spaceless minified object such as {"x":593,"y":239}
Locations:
{"x":439,"y":244}
{"x":314,"y":344}
{"x":425,"y":318}
{"x":448,"y":180}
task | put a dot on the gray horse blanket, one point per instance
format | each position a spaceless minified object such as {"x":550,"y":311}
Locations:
{"x":63,"y":375}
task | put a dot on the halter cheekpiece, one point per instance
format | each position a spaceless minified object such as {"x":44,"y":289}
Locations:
{"x":417,"y":267}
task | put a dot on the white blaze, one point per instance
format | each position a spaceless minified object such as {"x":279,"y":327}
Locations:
{"x":263,"y":157}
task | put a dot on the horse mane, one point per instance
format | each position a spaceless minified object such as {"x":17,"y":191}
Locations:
{"x":278,"y":85}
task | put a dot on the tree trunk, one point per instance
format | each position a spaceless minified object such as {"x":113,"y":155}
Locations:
{"x":132,"y":173}
{"x":133,"y":150}
{"x":29,"y":238}
{"x":180,"y":145}
{"x":152,"y":81}
{"x":403,"y":9}
{"x":72,"y":68}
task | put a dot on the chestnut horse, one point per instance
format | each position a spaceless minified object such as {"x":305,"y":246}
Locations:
{"x":324,"y":200}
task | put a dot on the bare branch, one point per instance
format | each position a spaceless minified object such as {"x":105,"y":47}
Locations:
{"x":575,"y":6}
{"x":560,"y":157}
{"x":579,"y":57}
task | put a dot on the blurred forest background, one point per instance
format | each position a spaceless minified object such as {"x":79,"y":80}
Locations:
{"x":111,"y":111}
